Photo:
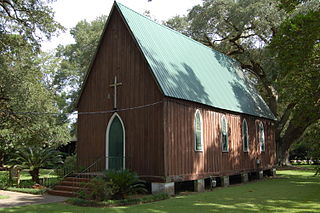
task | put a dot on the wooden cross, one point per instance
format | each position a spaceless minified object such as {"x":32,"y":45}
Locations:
{"x":114,"y":85}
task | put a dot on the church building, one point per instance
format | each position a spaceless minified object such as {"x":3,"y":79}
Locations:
{"x":169,"y":108}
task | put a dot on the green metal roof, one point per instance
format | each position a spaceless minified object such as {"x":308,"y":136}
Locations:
{"x":189,"y":70}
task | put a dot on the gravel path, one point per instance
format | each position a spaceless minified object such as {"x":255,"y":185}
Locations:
{"x":23,"y":199}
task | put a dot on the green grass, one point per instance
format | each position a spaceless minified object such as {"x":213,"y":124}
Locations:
{"x":3,"y":197}
{"x":26,"y":190}
{"x":291,"y":191}
{"x":306,"y":166}
{"x":44,"y":173}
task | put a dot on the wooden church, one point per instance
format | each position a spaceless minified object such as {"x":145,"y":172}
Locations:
{"x":169,"y":108}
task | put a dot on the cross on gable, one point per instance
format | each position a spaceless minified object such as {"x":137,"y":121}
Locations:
{"x":114,"y":85}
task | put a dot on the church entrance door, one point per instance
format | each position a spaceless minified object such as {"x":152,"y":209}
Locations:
{"x":115,"y":144}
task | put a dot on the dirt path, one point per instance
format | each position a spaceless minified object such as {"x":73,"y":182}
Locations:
{"x":23,"y":199}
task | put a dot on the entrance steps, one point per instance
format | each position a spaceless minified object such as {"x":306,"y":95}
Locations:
{"x":70,"y":186}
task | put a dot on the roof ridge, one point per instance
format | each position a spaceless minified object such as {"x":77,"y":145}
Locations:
{"x":181,"y":34}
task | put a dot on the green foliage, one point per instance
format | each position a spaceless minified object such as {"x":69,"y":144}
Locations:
{"x":270,"y":195}
{"x":69,"y":165}
{"x":27,"y":190}
{"x":98,"y":189}
{"x":4,"y":180}
{"x":26,"y":184}
{"x":123,"y":202}
{"x":277,"y":43}
{"x":32,"y":19}
{"x":308,"y":146}
{"x":75,"y":60}
{"x":124,"y":182}
{"x":22,"y":90}
{"x":3,"y":197}
{"x":35,"y":158}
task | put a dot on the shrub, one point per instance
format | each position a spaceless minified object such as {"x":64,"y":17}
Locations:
{"x":69,"y":165}
{"x":27,"y":190}
{"x":4,"y":180}
{"x":26,"y":184}
{"x":98,"y":189}
{"x":123,"y":182}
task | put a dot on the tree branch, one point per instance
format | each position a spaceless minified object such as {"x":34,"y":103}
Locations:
{"x":285,"y":116}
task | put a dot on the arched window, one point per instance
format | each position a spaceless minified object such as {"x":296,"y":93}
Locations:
{"x":198,"y":136}
{"x":245,"y":136}
{"x":224,"y":134}
{"x":262,"y":141}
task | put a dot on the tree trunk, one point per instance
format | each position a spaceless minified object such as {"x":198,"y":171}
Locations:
{"x":35,"y":175}
{"x":282,"y":154}
{"x":295,"y":129}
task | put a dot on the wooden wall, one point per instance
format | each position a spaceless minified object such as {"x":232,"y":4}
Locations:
{"x":119,"y":56}
{"x":182,"y":162}
{"x":159,"y":139}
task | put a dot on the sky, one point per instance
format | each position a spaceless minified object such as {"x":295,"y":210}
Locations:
{"x":70,"y":12}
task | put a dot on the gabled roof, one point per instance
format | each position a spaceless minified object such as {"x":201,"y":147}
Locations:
{"x":188,"y":70}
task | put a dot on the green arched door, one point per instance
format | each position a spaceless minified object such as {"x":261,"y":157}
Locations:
{"x":115,"y":143}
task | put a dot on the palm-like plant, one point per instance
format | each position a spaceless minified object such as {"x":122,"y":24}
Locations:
{"x":35,"y":158}
{"x":124,"y":182}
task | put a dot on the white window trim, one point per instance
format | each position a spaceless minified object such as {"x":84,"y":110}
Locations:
{"x":245,"y":121}
{"x":221,"y":132}
{"x":264,"y":137}
{"x":107,"y":140}
{"x":195,"y":132}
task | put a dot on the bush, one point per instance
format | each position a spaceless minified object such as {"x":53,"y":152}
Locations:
{"x":124,"y":182}
{"x":97,"y":189}
{"x":4,"y":180}
{"x":26,"y":184}
{"x":69,"y":165}
{"x":27,"y":190}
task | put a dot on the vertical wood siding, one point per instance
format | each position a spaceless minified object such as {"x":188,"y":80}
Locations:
{"x":119,"y":56}
{"x":184,"y":163}
{"x":159,"y":139}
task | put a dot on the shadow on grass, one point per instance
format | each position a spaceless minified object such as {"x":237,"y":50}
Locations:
{"x":295,"y":193}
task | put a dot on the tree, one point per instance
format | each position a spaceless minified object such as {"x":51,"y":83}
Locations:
{"x":265,"y":37}
{"x":23,"y":24}
{"x":31,"y":19}
{"x":74,"y":60}
{"x":27,"y":107}
{"x":35,"y":158}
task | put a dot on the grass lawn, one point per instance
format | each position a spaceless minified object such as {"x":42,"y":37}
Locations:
{"x":3,"y":197}
{"x":290,"y":191}
{"x":24,"y":175}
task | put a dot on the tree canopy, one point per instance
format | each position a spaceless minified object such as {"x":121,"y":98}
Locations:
{"x":277,"y":43}
{"x":27,"y":106}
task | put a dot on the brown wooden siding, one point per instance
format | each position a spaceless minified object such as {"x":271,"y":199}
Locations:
{"x":184,"y":163}
{"x":118,"y":55}
{"x":159,"y":139}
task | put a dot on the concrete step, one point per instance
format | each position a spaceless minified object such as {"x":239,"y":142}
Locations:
{"x":62,"y":193}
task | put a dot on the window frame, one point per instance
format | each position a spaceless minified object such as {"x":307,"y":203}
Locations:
{"x":245,"y":123}
{"x":223,"y":118}
{"x":195,"y":131}
{"x":261,"y":130}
